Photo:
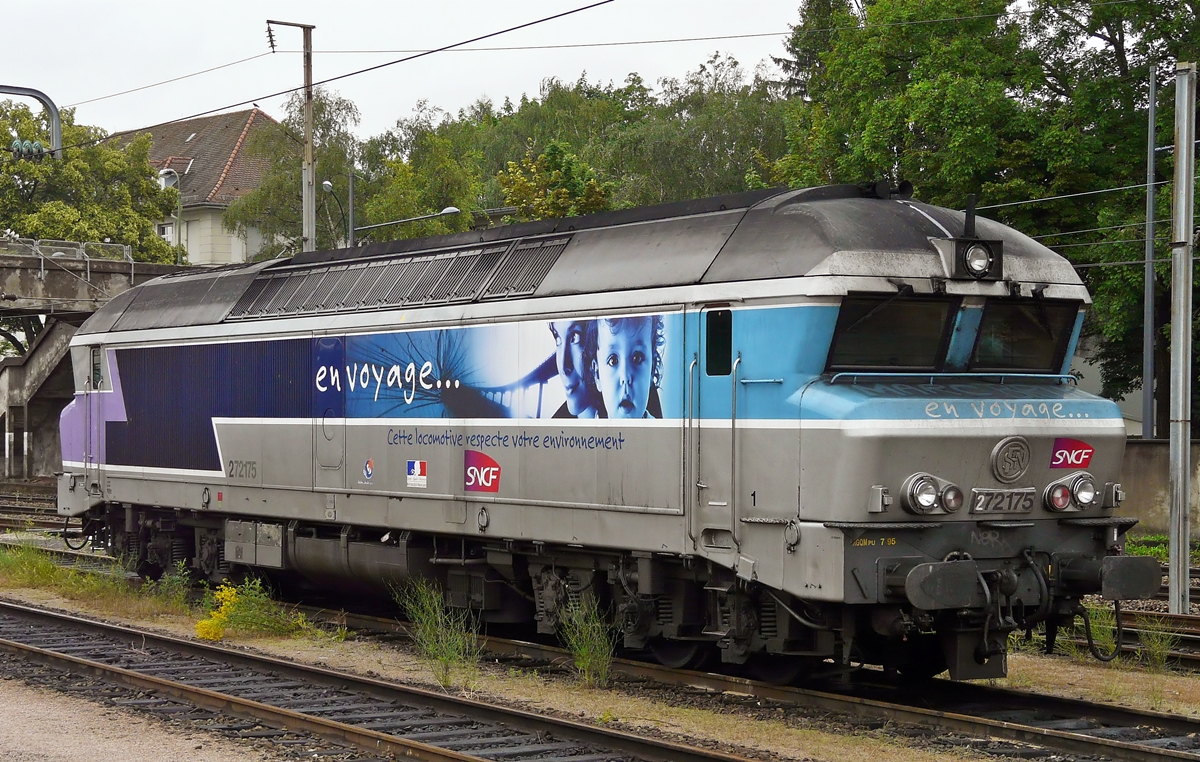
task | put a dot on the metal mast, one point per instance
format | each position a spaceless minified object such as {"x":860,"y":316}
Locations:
{"x":1148,"y":334}
{"x":1181,"y":332}
{"x":308,"y":172}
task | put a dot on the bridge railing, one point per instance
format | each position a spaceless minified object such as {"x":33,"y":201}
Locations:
{"x":84,"y":250}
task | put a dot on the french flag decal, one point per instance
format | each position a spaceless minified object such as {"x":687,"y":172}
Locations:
{"x":418,"y":471}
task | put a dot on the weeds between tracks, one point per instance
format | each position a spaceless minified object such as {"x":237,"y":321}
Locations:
{"x":22,"y":567}
{"x":591,"y":639}
{"x":445,"y":638}
{"x":248,"y":610}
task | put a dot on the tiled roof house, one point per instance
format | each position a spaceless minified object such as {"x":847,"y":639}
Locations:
{"x":214,"y":169}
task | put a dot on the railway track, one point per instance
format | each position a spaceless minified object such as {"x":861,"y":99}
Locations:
{"x":1051,"y":723}
{"x":1033,"y":720}
{"x":380,"y":717}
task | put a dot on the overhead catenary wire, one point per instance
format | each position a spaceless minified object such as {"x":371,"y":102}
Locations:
{"x":357,"y":72}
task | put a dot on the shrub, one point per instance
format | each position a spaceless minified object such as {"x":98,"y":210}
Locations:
{"x":248,"y":610}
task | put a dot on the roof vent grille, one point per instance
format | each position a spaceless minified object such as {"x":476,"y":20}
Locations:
{"x":499,"y":271}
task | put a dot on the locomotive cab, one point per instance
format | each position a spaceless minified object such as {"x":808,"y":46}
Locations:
{"x":975,"y":484}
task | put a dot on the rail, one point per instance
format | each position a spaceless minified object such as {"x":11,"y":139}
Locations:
{"x":368,"y":713}
{"x":1050,"y":722}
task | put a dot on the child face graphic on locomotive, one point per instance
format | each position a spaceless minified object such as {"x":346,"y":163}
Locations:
{"x":575,"y":352}
{"x":629,"y":364}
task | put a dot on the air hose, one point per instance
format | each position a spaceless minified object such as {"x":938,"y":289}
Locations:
{"x":1087,"y":631}
{"x":67,"y":542}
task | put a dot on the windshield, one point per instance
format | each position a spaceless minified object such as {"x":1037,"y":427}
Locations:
{"x":891,"y":332}
{"x":1026,"y":336}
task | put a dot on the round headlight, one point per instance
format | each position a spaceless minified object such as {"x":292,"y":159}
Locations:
{"x":952,"y":498}
{"x":977,"y":259}
{"x":1058,"y":498}
{"x":922,"y":494}
{"x":1085,"y":490}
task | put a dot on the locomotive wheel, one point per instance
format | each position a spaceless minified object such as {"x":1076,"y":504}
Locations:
{"x":681,"y":654}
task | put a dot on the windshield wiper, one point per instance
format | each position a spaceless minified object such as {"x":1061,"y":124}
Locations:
{"x":902,"y":289}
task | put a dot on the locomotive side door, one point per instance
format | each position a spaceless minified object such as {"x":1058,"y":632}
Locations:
{"x":329,"y":412}
{"x":712,"y":424}
{"x":93,"y":420}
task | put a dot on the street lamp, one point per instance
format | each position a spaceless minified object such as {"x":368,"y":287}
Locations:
{"x":177,"y":184}
{"x":443,"y":213}
{"x":328,"y":188}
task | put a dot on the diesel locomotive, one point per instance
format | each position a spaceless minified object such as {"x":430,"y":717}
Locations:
{"x":788,"y":427}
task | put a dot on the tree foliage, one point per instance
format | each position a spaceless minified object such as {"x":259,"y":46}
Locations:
{"x":556,"y":183}
{"x":274,"y":207}
{"x":101,"y":190}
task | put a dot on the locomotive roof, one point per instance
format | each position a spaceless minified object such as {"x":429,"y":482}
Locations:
{"x":831,"y":230}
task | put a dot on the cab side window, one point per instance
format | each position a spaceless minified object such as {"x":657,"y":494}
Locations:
{"x":97,"y":370}
{"x":718,"y":343}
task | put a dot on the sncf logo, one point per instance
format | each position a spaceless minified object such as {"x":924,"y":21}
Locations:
{"x":482,"y":474}
{"x":1071,"y":453}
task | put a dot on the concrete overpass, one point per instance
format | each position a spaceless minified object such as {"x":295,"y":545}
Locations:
{"x":63,"y":283}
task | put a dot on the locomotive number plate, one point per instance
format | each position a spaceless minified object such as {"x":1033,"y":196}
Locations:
{"x":1003,"y":500}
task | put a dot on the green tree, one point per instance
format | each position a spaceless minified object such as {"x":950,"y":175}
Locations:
{"x":812,"y":38}
{"x":101,"y":190}
{"x":274,"y":208}
{"x":711,"y":132}
{"x":432,"y":177}
{"x":929,"y":102}
{"x":555,"y":183}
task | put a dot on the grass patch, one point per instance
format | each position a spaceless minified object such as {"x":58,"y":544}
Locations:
{"x":113,"y":594}
{"x":1158,"y":546}
{"x":445,"y":638}
{"x":1158,"y":641}
{"x":590,"y":639}
{"x":248,"y":610}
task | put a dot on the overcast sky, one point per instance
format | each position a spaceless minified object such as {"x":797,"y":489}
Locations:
{"x":84,"y":49}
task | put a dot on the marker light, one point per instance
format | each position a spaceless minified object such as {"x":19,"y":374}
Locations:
{"x":977,"y":259}
{"x":1085,"y":490}
{"x":1058,"y":498}
{"x":952,"y":498}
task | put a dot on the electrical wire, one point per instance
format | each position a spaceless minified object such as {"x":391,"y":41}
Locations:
{"x":1069,"y":195}
{"x":167,"y":81}
{"x":858,"y":27}
{"x":291,"y":90}
{"x":1094,"y":230}
{"x":1101,"y":243}
{"x":458,"y":47}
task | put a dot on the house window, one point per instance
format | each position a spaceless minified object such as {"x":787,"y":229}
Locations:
{"x":167,"y":232}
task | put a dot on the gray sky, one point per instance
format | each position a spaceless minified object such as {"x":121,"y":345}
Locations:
{"x":86,"y":49}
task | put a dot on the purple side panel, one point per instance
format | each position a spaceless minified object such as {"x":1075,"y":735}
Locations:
{"x":71,"y":430}
{"x":73,"y":422}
